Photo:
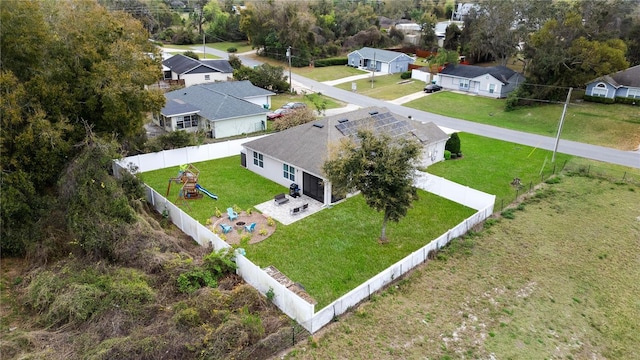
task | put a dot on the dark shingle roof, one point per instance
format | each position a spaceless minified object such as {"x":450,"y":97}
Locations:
{"x":222,"y":66}
{"x":500,"y":72}
{"x":629,"y":77}
{"x":212,"y":104}
{"x":307,"y":146}
{"x":175,"y":107}
{"x":181,"y":64}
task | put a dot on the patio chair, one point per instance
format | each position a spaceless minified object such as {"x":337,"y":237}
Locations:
{"x":225,"y":228}
{"x":232,"y":214}
{"x":250,"y":227}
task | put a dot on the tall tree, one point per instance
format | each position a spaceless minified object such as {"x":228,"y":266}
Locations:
{"x":80,"y":65}
{"x":381,"y":168}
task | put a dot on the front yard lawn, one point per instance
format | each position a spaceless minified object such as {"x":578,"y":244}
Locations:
{"x":327,"y":73}
{"x":386,"y":87}
{"x":278,"y":100}
{"x":612,"y":125}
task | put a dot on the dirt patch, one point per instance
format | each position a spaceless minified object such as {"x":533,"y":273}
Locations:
{"x":263,"y":229}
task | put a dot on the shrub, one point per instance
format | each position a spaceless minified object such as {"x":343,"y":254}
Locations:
{"x":191,"y":54}
{"x":447,"y":155}
{"x":405,"y":75}
{"x":599,"y":99}
{"x":193,"y":280}
{"x":629,"y":101}
{"x":232,"y":50}
{"x":453,"y":144}
{"x":508,"y":214}
{"x":331,"y":62}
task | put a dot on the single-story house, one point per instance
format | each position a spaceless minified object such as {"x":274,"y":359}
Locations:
{"x":221,"y":109}
{"x":625,"y":84}
{"x":192,"y":71}
{"x":296,"y":155}
{"x":495,"y":81}
{"x":385,"y":61}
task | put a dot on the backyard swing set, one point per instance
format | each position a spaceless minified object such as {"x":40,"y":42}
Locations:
{"x":190,"y":190}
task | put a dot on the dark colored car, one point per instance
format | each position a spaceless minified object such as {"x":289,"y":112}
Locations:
{"x":294,"y":105}
{"x":278,"y":113}
{"x":432,"y":88}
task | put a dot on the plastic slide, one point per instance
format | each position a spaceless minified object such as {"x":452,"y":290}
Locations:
{"x":204,"y":191}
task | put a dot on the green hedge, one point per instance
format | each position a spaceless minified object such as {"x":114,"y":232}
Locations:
{"x":599,"y":99}
{"x":331,"y":62}
{"x":405,"y":75}
{"x":630,"y":101}
{"x":618,"y":99}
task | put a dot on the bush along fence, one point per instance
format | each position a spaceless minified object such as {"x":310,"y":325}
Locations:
{"x":288,"y":301}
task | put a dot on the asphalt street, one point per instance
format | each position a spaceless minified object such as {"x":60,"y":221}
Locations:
{"x":600,"y":153}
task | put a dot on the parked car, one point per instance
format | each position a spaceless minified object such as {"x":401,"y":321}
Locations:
{"x":278,"y":114}
{"x":432,"y":88}
{"x":294,"y":105}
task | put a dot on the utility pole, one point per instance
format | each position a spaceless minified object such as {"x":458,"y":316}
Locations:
{"x":204,"y":52}
{"x":373,"y":73}
{"x":289,"y":57}
{"x":564,"y":112}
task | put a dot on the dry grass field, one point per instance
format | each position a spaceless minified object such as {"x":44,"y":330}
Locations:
{"x":560,"y":279}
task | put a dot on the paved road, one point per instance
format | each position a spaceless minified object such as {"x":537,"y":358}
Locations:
{"x":625,"y":158}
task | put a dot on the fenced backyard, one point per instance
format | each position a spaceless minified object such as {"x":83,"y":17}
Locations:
{"x":288,"y":301}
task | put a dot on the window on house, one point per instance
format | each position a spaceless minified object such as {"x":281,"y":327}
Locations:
{"x":258,"y":159}
{"x":464,"y":83}
{"x":187,"y":121}
{"x":600,"y":90}
{"x":207,"y":77}
{"x":492,"y":88}
{"x":633,"y":93}
{"x":289,"y":172}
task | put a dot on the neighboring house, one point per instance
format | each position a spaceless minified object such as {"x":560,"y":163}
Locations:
{"x":380,"y":60}
{"x":462,"y":11}
{"x":220,"y":109}
{"x":624,"y":84}
{"x":495,"y":81}
{"x":296,"y":155}
{"x":192,"y":71}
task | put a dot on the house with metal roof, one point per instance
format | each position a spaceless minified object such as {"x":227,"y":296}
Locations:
{"x":380,"y":60}
{"x":622,"y":84}
{"x":220,"y":109}
{"x":296,"y":155}
{"x":495,"y":81}
{"x":192,"y":71}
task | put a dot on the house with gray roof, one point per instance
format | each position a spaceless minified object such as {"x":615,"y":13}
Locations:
{"x":220,"y":109}
{"x":622,"y":84}
{"x":192,"y":71}
{"x":495,"y":81}
{"x":296,"y":155}
{"x":380,"y":60}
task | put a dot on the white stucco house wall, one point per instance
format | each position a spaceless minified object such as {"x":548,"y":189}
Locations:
{"x":495,"y":81}
{"x":219,"y":109}
{"x":193,"y":72}
{"x":296,"y":155}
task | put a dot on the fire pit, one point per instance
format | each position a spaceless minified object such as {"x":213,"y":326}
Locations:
{"x":240,"y":225}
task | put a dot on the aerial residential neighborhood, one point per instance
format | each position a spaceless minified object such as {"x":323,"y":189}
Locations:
{"x":209,"y":179}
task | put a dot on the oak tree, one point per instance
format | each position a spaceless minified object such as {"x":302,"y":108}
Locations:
{"x":381,"y":168}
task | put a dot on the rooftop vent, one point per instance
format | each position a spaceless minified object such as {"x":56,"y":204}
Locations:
{"x":318,"y":125}
{"x":343,"y":121}
{"x":373,"y":112}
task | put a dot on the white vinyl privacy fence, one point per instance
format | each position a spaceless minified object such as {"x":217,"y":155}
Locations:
{"x":289,"y":302}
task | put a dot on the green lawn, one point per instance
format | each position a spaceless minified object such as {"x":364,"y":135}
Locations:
{"x":194,"y":47}
{"x":614,"y":125}
{"x":335,"y":250}
{"x":327,"y":73}
{"x":491,"y":165}
{"x":242,"y":46}
{"x":387,"y":87}
{"x":278,"y":100}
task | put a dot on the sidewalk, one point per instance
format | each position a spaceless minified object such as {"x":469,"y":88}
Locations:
{"x":407,"y":98}
{"x":352,"y":78}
